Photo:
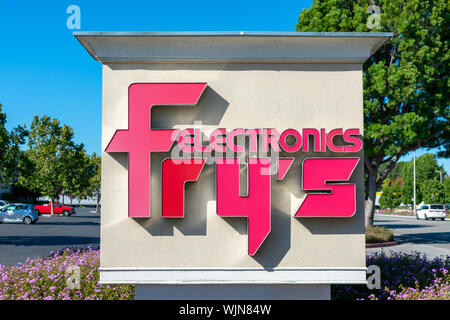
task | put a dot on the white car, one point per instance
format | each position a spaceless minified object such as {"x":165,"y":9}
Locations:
{"x":431,"y":211}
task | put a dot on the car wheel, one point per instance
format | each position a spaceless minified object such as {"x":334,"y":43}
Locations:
{"x":442,"y":219}
{"x":27,"y":220}
{"x":66,"y":213}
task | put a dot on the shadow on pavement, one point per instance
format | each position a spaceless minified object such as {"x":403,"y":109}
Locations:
{"x":67,"y":223}
{"x":424,"y":238}
{"x":48,"y":240}
{"x":405,"y":226}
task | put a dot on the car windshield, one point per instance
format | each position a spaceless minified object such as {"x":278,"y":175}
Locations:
{"x":437,"y":206}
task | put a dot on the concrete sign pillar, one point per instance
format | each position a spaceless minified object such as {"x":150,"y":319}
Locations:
{"x":232,"y":164}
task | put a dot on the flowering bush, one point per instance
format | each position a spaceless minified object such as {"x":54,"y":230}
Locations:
{"x":403,"y":276}
{"x":439,"y":289}
{"x":46,"y":278}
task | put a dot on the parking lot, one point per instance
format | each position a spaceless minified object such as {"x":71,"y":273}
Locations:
{"x":19,"y":241}
{"x":427,"y":237}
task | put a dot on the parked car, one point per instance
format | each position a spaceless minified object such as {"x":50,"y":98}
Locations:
{"x":58,"y":208}
{"x":19,"y":212}
{"x":431,"y":211}
{"x":3,"y":203}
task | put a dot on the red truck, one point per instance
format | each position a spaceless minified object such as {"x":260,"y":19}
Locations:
{"x":57,"y":209}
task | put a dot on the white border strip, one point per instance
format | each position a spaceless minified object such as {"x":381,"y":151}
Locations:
{"x":232,"y":276}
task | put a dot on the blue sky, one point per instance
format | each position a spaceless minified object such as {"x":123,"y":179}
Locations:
{"x":44,"y":70}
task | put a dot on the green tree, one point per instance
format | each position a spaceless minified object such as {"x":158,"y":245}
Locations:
{"x":383,"y":198}
{"x":95,"y":181}
{"x":446,"y":183}
{"x":392,"y":194}
{"x":427,"y":168}
{"x":77,"y":172}
{"x":433,"y":192}
{"x":406,"y":83}
{"x":10,"y":142}
{"x":44,"y":164}
{"x":408,"y":191}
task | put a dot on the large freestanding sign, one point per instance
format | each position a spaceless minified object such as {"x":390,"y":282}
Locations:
{"x":233,"y":162}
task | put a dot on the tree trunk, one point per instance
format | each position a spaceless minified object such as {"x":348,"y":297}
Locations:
{"x":371,"y":195}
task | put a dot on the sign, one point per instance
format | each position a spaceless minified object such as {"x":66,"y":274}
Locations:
{"x":232,"y":163}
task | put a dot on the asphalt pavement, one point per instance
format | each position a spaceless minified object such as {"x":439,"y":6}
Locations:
{"x":427,"y":237}
{"x":20,"y":241}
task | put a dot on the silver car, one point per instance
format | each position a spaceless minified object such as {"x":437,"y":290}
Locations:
{"x":3,"y":203}
{"x":19,"y":212}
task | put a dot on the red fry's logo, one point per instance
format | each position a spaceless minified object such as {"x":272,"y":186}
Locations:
{"x":139,"y":139}
{"x":318,"y":174}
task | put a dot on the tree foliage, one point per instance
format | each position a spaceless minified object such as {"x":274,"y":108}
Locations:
{"x":447,"y":189}
{"x":54,"y":163}
{"x":392,"y":193}
{"x":48,"y":147}
{"x":427,"y":169}
{"x":78,"y":172}
{"x":406,"y":83}
{"x":429,"y":188}
{"x":10,"y":142}
{"x":95,"y":181}
{"x":432,"y":191}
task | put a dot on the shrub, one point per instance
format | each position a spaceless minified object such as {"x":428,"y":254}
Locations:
{"x":392,"y":193}
{"x":46,"y":278}
{"x":403,"y":276}
{"x":378,"y":234}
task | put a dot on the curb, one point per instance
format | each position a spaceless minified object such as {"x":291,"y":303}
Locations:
{"x":394,"y":216}
{"x":381,"y":244}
